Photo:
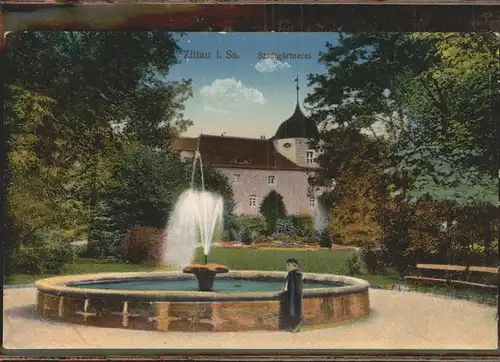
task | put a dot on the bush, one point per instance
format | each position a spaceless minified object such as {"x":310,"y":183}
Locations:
{"x":263,"y":239}
{"x":230,"y":225}
{"x":395,"y":241}
{"x":284,"y":226}
{"x":414,"y":233}
{"x":245,"y":236}
{"x":324,"y":239}
{"x":143,"y":244}
{"x":281,"y":238}
{"x":81,"y":251}
{"x":308,"y":240}
{"x":304,"y":225}
{"x":272,"y":208}
{"x":48,"y":254}
{"x":105,"y":234}
{"x":373,"y":261}
{"x":361,"y":243}
{"x":256,"y":225}
{"x":228,"y":235}
{"x":354,"y":265}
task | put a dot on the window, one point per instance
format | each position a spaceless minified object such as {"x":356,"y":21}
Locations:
{"x":236,"y":178}
{"x":309,"y":157}
{"x":312,"y":201}
{"x":287,"y":145}
{"x":253,"y":200}
{"x":271,"y":180}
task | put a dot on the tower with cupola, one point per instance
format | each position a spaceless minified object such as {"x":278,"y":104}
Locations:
{"x":293,"y":136}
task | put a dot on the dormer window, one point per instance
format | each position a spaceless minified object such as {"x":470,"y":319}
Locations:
{"x":310,"y":157}
{"x":287,"y":145}
{"x":242,"y":161}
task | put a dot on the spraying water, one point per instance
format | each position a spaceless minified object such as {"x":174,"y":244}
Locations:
{"x":320,"y":218}
{"x":196,"y":216}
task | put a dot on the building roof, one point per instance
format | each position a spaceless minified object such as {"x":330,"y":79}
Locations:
{"x":185,"y":144}
{"x":237,"y":152}
{"x":297,"y":126}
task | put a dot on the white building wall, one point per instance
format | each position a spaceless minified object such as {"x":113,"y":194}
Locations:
{"x":301,"y":148}
{"x":290,"y":152}
{"x":292,"y":185}
{"x":296,"y":152}
{"x":187,"y":154}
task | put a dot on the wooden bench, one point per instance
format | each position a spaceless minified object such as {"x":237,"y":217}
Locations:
{"x":450,"y":275}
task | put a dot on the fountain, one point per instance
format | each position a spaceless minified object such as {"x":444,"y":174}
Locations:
{"x":188,"y":299}
{"x":195,"y":218}
{"x":320,"y":218}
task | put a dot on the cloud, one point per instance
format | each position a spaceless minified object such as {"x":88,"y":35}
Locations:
{"x":270,"y":65}
{"x":209,"y":108}
{"x":232,"y":89}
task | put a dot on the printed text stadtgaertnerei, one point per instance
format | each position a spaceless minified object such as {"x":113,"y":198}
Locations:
{"x":230,"y":54}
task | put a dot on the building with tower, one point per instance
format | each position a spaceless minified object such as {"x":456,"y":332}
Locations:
{"x":255,"y":166}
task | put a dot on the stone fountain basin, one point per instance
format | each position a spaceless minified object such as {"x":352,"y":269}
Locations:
{"x":192,"y":310}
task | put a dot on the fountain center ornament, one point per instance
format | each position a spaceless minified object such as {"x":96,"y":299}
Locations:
{"x":205,"y":274}
{"x":196,"y":217}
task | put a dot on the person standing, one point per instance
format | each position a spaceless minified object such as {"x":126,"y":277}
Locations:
{"x":292,"y":297}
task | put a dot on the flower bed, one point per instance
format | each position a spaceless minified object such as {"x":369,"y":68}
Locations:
{"x":282,"y":246}
{"x":235,"y":246}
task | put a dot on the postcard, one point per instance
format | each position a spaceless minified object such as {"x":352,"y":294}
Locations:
{"x":219,"y":190}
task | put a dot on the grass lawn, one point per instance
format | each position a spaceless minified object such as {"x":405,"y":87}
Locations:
{"x":312,"y":261}
{"x":84,"y":266}
{"x":317,"y":261}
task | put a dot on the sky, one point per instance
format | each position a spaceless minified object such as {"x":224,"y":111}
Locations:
{"x":238,"y":91}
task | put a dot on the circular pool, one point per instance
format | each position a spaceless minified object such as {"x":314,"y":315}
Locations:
{"x":169,"y":301}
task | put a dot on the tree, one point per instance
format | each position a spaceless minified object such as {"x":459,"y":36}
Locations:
{"x":432,"y":93}
{"x":37,"y":215}
{"x":98,"y":91}
{"x":73,"y":102}
{"x":142,"y":194}
{"x":19,"y":104}
{"x":437,"y":232}
{"x":355,"y":161}
{"x":272,"y":208}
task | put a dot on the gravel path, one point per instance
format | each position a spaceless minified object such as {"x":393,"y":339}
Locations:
{"x":402,"y":320}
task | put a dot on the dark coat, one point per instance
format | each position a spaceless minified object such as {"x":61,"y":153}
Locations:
{"x":293,"y":294}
